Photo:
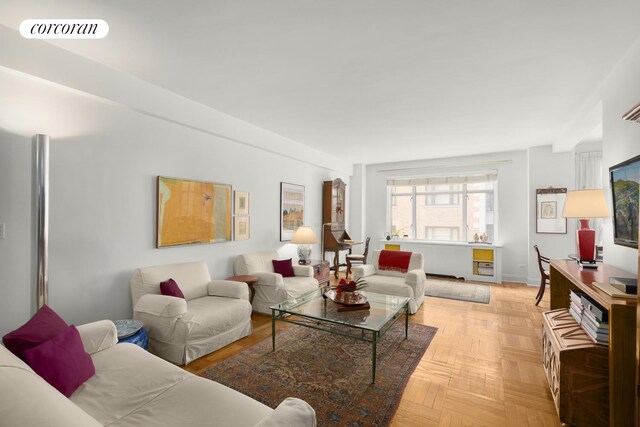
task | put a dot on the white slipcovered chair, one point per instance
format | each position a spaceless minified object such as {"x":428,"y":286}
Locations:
{"x":410,"y":284}
{"x":212,"y":314}
{"x":272,"y":288}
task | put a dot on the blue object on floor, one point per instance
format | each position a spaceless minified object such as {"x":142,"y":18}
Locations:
{"x":131,"y":331}
{"x":140,"y":339}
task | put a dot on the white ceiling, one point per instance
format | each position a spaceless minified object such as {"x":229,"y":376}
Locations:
{"x":368,"y":80}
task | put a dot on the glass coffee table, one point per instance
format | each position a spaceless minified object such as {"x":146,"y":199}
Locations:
{"x":315,"y":311}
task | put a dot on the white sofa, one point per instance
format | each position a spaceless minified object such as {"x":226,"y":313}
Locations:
{"x":272,"y":288}
{"x":132,"y":387}
{"x":213,"y":313}
{"x":410,"y":284}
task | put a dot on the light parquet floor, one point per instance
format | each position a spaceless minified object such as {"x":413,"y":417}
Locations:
{"x":483,"y":367}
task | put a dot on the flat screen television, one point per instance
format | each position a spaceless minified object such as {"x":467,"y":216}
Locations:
{"x":625,"y":188}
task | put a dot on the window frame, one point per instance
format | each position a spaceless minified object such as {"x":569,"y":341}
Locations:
{"x":464,"y":196}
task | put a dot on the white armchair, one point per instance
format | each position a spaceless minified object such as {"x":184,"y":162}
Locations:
{"x":272,"y":288}
{"x":212,"y":314}
{"x":410,"y":284}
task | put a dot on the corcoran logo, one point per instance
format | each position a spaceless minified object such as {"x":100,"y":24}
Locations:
{"x":64,"y":29}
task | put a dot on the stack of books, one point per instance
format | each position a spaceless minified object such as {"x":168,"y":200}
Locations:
{"x":595,"y":321}
{"x":576,"y":307}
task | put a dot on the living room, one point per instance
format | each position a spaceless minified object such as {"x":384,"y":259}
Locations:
{"x":113,"y":132}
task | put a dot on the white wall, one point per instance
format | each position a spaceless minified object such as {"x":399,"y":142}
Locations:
{"x":103,"y":202}
{"x":621,"y":141}
{"x":512,"y":200}
{"x":548,"y":169}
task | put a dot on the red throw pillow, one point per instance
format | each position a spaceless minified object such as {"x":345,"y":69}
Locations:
{"x":284,"y":267}
{"x":43,"y":326}
{"x":170,"y":288}
{"x":62,"y":361}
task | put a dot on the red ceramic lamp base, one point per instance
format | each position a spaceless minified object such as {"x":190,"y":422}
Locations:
{"x":586,"y":240}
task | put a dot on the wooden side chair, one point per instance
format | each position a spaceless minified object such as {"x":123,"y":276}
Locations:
{"x":358,"y":258}
{"x":544,"y":274}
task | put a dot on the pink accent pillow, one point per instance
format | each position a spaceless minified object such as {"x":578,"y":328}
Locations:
{"x":62,"y":361}
{"x":170,"y":288}
{"x":43,"y":326}
{"x":284,"y":267}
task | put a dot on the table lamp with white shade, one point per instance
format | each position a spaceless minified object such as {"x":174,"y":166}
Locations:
{"x":585,"y":204}
{"x":304,"y":237}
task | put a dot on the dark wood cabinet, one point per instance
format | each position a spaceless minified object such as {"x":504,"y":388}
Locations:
{"x":333,"y":203}
{"x":566,"y":276}
{"x":334,"y":236}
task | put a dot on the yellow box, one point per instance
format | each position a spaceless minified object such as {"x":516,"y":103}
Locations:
{"x":391,"y":247}
{"x":482,"y":254}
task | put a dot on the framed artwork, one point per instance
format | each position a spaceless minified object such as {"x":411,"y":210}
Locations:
{"x":192,"y":212}
{"x":241,"y":227}
{"x":291,"y":209}
{"x":241,"y":203}
{"x":549,"y":207}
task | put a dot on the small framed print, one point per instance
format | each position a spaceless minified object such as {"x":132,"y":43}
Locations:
{"x":241,"y":203}
{"x":549,"y":207}
{"x":241,"y":228}
{"x":548,"y":210}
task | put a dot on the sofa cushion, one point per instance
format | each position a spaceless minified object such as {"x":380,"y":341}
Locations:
{"x":27,"y":400}
{"x":292,"y":287}
{"x":283,"y":267}
{"x":171,"y":289}
{"x":43,"y":326}
{"x":134,"y":388}
{"x":388,"y":285}
{"x":62,"y":361}
{"x":254,"y":262}
{"x":290,"y":412}
{"x":210,"y":316}
{"x":193,"y":278}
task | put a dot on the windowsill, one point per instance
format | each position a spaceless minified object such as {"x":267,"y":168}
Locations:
{"x":441,"y":243}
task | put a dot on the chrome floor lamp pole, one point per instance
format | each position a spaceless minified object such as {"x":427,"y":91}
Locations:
{"x":42,"y":220}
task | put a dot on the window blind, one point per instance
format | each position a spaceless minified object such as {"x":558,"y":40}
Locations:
{"x":443,"y":180}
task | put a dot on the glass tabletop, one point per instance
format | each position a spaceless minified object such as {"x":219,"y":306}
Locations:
{"x":314,"y":305}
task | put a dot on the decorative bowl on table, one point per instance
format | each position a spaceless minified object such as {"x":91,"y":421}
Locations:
{"x":347,"y":298}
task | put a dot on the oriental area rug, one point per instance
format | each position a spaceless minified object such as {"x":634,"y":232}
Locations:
{"x":331,"y":372}
{"x":451,"y":289}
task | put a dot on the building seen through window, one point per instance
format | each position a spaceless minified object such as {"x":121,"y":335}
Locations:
{"x":443,"y":208}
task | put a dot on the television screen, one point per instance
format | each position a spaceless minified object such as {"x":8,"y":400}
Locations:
{"x":625,"y":188}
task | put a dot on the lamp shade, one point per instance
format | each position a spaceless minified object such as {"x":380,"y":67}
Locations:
{"x":585,"y":204}
{"x":305,"y":235}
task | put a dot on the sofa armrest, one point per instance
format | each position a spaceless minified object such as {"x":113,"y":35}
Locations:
{"x":363,"y":271}
{"x":417,"y":279}
{"x":229,"y":289}
{"x":414,"y":277}
{"x":303,"y":270}
{"x":269,"y":279}
{"x":98,"y":336}
{"x":161,"y":306}
{"x":291,"y":412}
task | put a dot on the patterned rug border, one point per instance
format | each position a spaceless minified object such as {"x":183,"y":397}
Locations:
{"x":390,"y":382}
{"x":462,"y":298}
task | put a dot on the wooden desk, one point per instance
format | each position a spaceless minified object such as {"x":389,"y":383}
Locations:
{"x":565,"y":275}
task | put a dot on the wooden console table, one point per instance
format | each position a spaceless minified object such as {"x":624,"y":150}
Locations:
{"x":566,"y":275}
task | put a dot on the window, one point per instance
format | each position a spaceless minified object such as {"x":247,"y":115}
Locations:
{"x":444,"y":208}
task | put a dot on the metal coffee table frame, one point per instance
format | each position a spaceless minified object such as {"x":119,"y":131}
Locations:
{"x":285,"y":312}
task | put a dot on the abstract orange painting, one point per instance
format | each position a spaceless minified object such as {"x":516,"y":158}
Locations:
{"x":192,"y":212}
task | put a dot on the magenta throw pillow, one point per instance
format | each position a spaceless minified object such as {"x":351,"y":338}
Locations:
{"x":62,"y":361}
{"x":284,"y":267}
{"x":170,"y":288}
{"x":43,"y":326}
